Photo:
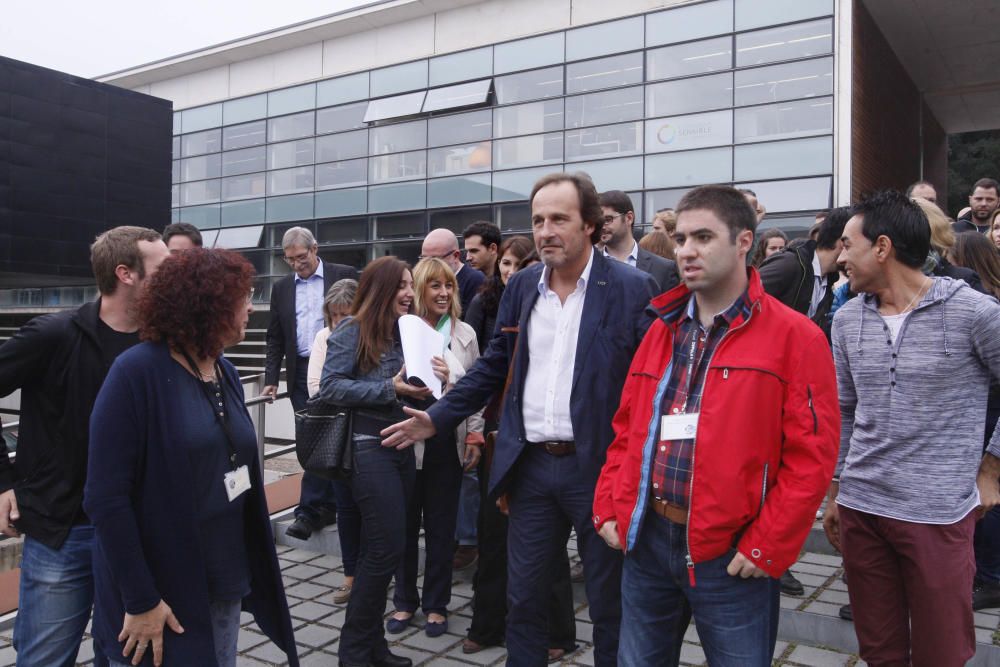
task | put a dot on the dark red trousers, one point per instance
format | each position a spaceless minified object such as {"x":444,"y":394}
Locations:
{"x":910,"y":589}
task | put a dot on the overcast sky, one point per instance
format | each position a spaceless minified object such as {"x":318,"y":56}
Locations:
{"x":103,"y":36}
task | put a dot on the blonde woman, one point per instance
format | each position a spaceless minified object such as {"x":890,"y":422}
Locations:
{"x":440,"y":462}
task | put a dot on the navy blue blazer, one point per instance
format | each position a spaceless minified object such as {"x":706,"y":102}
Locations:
{"x":612,"y":325}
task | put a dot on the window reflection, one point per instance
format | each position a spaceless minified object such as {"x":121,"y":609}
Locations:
{"x":342,"y":174}
{"x":784,"y":120}
{"x":528,"y":118}
{"x":245,"y":135}
{"x":459,"y":128}
{"x":785,"y":43}
{"x":342,"y":146}
{"x":711,"y":55}
{"x":242,"y":187}
{"x":291,"y":154}
{"x":624,"y":139}
{"x":608,"y":107}
{"x":291,"y":127}
{"x":459,"y":159}
{"x":338,"y":119}
{"x":537,"y":84}
{"x":604,"y":73}
{"x":698,"y":94}
{"x":398,"y":137}
{"x":781,"y":159}
{"x":287,"y":181}
{"x":398,"y":167}
{"x":809,"y":78}
{"x":244,"y":161}
{"x":201,"y":142}
{"x":525,"y":151}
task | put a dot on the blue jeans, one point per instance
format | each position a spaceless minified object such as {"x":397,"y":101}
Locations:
{"x":56,"y":597}
{"x":468,"y":510}
{"x":734,"y":616}
{"x":547,"y":495}
{"x":348,"y":525}
{"x":225,"y":634}
{"x":382,"y":481}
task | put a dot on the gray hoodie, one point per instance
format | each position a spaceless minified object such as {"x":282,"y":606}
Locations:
{"x":913,"y":412}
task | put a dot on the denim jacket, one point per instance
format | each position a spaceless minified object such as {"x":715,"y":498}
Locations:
{"x":342,"y":384}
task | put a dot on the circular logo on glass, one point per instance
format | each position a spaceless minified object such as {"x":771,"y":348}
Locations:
{"x":666,"y":134}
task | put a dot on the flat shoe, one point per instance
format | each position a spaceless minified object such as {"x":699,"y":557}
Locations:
{"x":341,"y":594}
{"x":469,"y":646}
{"x":395,"y":625}
{"x":436,"y":629}
{"x":556,"y":654}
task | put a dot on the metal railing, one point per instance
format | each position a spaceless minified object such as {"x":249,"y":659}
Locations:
{"x":258,"y":415}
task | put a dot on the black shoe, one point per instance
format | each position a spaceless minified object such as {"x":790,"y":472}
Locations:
{"x":790,"y":585}
{"x":392,"y":660}
{"x":846,"y":613}
{"x":344,"y":663}
{"x":300,"y":529}
{"x":985,"y":595}
{"x":576,"y":573}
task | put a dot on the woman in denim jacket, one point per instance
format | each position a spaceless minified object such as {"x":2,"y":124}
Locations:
{"x":364,"y":370}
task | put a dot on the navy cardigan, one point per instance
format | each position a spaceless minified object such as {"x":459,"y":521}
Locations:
{"x":139,"y":497}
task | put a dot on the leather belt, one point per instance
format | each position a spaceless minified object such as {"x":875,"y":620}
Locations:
{"x":557,"y":447}
{"x":669,"y":511}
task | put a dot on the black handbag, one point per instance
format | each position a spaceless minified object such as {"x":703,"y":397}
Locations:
{"x":323,"y":439}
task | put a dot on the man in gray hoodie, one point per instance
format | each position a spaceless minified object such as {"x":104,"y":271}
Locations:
{"x":914,"y":357}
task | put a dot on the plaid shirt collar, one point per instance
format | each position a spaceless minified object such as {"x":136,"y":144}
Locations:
{"x":730,"y":317}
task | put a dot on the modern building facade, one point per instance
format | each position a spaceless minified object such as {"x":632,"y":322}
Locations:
{"x":375,"y":125}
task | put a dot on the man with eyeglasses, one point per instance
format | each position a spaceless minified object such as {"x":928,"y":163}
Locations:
{"x":443,"y":244}
{"x":296,"y":317}
{"x":619,"y":216}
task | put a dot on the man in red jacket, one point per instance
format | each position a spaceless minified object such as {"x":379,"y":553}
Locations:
{"x":725,"y":442}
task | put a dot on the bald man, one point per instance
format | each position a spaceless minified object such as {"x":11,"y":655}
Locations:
{"x":443,"y":244}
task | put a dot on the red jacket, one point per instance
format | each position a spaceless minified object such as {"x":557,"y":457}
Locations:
{"x":767,"y":438}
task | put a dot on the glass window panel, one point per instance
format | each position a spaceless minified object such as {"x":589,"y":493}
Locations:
{"x":456,"y":97}
{"x":471,"y":189}
{"x":338,"y":119}
{"x":200,"y":192}
{"x":244,"y":161}
{"x":698,"y":94}
{"x":397,"y":197}
{"x":238,"y":213}
{"x":200,"y":142}
{"x":534,"y":85}
{"x":804,"y":194}
{"x":395,"y":107}
{"x":809,"y":78}
{"x":398,"y":167}
{"x":342,"y":174}
{"x":351,"y":230}
{"x":175,"y":171}
{"x":604,"y":38}
{"x":661,"y":199}
{"x":293,"y":207}
{"x":175,"y":195}
{"x":514,"y":185}
{"x":243,"y":187}
{"x":669,"y":170}
{"x":611,"y":106}
{"x":399,"y":78}
{"x":342,"y":146}
{"x":685,"y":132}
{"x":703,"y":19}
{"x":528,"y":118}
{"x":208,"y":237}
{"x":245,"y":135}
{"x":461,"y":66}
{"x":235,"y":238}
{"x":785,"y":43}
{"x":399,"y":137}
{"x":460,"y":128}
{"x":528,"y":53}
{"x":175,"y":146}
{"x":623,"y":139}
{"x":400,"y":226}
{"x":615,"y":175}
{"x":783,"y":159}
{"x":457,"y":219}
{"x":526,"y":151}
{"x":611,"y":72}
{"x":512,"y":217}
{"x":201,"y":216}
{"x":291,"y":154}
{"x":201,"y":118}
{"x":711,"y":55}
{"x":291,"y":127}
{"x":759,"y":13}
{"x":287,"y":181}
{"x":459,"y":159}
{"x":198,"y":168}
{"x":342,"y":89}
{"x":784,"y":120}
{"x":291,"y":100}
{"x":244,"y":109}
{"x":177,"y":129}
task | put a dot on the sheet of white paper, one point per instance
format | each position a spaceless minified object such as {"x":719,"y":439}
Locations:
{"x":420,"y":343}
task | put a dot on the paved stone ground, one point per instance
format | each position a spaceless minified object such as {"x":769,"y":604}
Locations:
{"x":311,"y":577}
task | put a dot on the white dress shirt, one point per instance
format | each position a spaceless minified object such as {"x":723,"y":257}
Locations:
{"x":553,"y":329}
{"x":819,"y":286}
{"x":308,"y":310}
{"x":633,"y":255}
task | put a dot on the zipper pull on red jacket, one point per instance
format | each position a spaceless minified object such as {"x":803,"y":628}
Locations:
{"x":690,"y":566}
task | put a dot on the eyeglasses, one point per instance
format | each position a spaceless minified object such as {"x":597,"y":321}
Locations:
{"x":299,"y":259}
{"x":608,"y":219}
{"x":444,"y":256}
{"x":250,"y":296}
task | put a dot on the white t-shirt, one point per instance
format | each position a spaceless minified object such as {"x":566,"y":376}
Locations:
{"x":895,"y":323}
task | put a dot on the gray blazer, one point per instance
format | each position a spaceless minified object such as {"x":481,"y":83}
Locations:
{"x":663,"y":271}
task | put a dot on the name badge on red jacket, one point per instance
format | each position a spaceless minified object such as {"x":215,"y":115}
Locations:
{"x":679,"y":427}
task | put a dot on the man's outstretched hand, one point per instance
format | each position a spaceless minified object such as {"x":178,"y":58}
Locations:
{"x":403,"y":434}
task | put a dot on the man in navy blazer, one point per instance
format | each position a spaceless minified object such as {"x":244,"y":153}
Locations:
{"x":571,"y":327}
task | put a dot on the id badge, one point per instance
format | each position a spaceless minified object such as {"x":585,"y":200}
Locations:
{"x":678,"y":427}
{"x":237,"y":482}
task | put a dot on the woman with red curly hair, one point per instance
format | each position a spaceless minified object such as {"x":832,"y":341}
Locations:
{"x":182,"y":535}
